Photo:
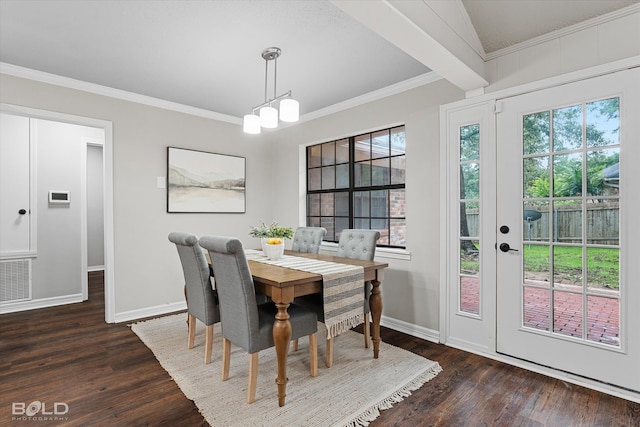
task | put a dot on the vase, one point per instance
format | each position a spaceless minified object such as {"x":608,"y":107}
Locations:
{"x":273,"y":251}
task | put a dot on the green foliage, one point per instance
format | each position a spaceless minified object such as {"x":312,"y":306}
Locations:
{"x":272,"y":230}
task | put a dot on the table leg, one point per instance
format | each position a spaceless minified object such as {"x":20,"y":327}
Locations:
{"x":375,"y":303}
{"x":281,"y":338}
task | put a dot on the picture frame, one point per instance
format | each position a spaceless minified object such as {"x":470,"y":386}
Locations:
{"x":203,"y":182}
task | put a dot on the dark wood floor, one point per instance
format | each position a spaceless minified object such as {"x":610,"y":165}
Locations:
{"x":107,"y":377}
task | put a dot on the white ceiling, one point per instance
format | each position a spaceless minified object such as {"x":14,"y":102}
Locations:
{"x":206,"y":54}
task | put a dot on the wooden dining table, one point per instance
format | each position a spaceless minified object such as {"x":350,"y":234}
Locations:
{"x":284,"y":284}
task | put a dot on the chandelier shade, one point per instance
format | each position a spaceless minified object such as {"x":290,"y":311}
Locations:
{"x":267,"y":116}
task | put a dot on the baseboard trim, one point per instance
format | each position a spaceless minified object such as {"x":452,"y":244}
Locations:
{"x":410,"y":329}
{"x":12,"y":307}
{"x":142,"y":313}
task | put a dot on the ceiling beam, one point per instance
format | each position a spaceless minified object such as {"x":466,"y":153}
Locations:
{"x":416,"y":28}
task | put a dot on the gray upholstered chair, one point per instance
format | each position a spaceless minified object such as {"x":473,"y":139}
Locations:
{"x":354,"y":244}
{"x":308,"y":239}
{"x":202,"y":299}
{"x":246,"y":323}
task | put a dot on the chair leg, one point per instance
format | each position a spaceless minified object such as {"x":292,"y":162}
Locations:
{"x":208,"y":347}
{"x":191,"y":320}
{"x":329,"y":354}
{"x":367,"y":330}
{"x":253,"y":377}
{"x":295,"y":345}
{"x":226,"y":356}
{"x":313,"y":354}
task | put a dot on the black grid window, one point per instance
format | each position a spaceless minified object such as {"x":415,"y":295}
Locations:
{"x":359,"y":182}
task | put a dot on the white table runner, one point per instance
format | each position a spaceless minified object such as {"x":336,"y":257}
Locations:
{"x":343,"y":288}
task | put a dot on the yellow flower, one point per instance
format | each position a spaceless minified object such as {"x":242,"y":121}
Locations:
{"x":274,"y":241}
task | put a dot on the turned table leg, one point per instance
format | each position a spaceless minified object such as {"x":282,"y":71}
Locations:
{"x":375,"y":303}
{"x":281,"y":338}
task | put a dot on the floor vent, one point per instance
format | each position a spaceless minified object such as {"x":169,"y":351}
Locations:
{"x":15,"y":280}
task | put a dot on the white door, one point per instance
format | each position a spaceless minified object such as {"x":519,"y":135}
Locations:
{"x":15,"y":211}
{"x":568,"y":228}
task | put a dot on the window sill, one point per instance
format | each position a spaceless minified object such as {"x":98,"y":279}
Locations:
{"x":388,"y":253}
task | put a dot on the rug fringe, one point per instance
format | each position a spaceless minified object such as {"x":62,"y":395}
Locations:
{"x":344,"y":325}
{"x":370,"y":414}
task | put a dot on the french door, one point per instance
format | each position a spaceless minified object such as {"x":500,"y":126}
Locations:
{"x":568,"y":228}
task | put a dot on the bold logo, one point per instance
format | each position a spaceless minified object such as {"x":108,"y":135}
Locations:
{"x":37,"y":408}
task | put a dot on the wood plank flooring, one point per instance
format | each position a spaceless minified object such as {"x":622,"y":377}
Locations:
{"x":107,"y":377}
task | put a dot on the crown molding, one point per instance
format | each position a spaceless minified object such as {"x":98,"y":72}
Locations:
{"x":612,"y":16}
{"x":110,"y":92}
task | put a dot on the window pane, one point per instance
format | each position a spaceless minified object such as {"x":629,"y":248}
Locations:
{"x":397,"y":204}
{"x":341,"y":224}
{"x":361,"y":203}
{"x":326,"y":208}
{"x":398,"y":142}
{"x":469,"y":214}
{"x":342,"y":151}
{"x":380,"y":172}
{"x":362,"y":149}
{"x":567,"y":128}
{"x":379,"y":204}
{"x":342,"y":176}
{"x":469,"y":143}
{"x":313,"y":221}
{"x":328,"y":153}
{"x":364,"y":223}
{"x":398,"y":165}
{"x":313,"y":204}
{"x":362,"y":174}
{"x":382,"y":225}
{"x":398,"y":232}
{"x":567,"y":175}
{"x":380,"y":144}
{"x":536,"y":176}
{"x":328,"y":177}
{"x":331,"y":229}
{"x":313,"y":179}
{"x":342,"y":204}
{"x":603,"y":122}
{"x":535,"y":133}
{"x":470,"y":294}
{"x":314,"y":156}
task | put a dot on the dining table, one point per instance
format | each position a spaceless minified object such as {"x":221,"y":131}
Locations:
{"x":283,"y":284}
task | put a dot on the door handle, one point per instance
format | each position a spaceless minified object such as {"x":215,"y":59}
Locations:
{"x":22,"y":211}
{"x":504,"y":247}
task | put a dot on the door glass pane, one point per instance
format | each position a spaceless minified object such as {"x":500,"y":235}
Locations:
{"x":603,"y":271}
{"x":470,"y":276}
{"x":567,"y":267}
{"x":536,"y":307}
{"x":535,"y":134}
{"x":567,"y":221}
{"x":567,"y":128}
{"x":469,"y":143}
{"x":536,"y":176}
{"x":469,"y":215}
{"x":470,"y":181}
{"x":537,"y":267}
{"x":603,"y":122}
{"x":603,"y":221}
{"x":603,"y":320}
{"x":603,"y":172}
{"x":469,"y":291}
{"x":535,"y":215}
{"x":567,"y":314}
{"x":567,"y":175}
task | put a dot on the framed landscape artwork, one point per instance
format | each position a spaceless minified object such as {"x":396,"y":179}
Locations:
{"x":198,"y":181}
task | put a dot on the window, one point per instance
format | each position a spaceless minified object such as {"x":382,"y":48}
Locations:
{"x":359,"y":182}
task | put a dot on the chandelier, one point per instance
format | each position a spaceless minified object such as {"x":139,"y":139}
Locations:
{"x":267,"y":116}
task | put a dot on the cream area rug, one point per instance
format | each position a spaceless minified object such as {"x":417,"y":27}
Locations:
{"x":351,"y":393}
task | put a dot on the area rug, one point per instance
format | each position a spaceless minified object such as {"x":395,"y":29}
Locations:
{"x":351,"y":393}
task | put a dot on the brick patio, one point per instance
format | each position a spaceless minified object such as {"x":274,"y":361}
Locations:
{"x":603,"y":313}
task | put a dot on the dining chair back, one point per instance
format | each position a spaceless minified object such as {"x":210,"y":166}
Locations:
{"x":308,"y":239}
{"x":246,"y":323}
{"x":202,"y":300}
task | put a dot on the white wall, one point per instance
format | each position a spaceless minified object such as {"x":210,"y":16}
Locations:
{"x":95,"y":208}
{"x":57,"y":269}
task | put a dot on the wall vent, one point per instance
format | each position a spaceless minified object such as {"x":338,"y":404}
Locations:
{"x":15,"y":280}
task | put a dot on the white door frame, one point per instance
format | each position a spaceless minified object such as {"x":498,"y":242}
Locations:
{"x":107,"y":166}
{"x":484,"y":344}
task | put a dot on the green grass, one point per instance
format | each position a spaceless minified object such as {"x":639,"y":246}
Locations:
{"x":602,"y":263}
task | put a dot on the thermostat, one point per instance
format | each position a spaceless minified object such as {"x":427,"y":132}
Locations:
{"x":59,"y":197}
